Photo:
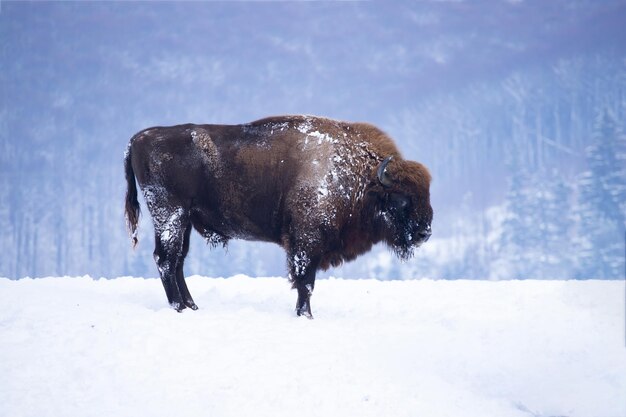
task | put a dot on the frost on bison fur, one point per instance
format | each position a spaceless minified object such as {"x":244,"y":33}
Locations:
{"x":324,"y":190}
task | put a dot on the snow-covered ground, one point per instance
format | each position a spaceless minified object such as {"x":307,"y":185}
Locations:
{"x":84,"y":347}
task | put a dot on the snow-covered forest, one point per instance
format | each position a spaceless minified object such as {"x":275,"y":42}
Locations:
{"x":518,"y":110}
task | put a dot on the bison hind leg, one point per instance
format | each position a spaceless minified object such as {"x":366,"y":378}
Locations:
{"x":180,"y":278}
{"x":172,"y":228}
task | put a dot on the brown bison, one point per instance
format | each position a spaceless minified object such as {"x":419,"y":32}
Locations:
{"x":324,"y":190}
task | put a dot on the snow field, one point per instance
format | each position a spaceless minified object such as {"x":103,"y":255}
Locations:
{"x":84,"y":347}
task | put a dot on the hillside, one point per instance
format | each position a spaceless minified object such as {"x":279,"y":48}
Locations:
{"x":514,"y":106}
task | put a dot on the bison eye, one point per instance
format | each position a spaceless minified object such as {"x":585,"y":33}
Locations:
{"x":398,"y":201}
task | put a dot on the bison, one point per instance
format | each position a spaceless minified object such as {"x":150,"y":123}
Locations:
{"x":322,"y":189}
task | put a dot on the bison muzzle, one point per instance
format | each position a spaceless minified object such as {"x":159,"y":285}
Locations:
{"x":324,"y":190}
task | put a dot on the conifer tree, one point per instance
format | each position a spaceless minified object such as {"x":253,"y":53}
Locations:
{"x":517,"y":234}
{"x":600,"y":227}
{"x":554,"y":222}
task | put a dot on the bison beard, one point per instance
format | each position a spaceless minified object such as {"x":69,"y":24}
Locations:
{"x":324,"y":190}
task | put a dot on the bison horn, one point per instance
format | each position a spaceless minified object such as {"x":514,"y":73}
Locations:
{"x":382,"y":175}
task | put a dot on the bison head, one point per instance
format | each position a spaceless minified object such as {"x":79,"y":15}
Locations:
{"x":404,"y":204}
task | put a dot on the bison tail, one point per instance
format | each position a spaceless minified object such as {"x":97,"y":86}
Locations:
{"x":132,"y":205}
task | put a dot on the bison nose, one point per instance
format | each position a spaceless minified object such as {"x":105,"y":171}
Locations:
{"x":424,"y":235}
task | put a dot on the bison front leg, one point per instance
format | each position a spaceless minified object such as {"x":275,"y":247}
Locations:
{"x":302,"y":270}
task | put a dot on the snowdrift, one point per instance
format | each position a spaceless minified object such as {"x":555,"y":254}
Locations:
{"x":85,"y":347}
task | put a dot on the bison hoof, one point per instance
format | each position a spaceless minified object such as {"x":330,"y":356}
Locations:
{"x":303,"y":311}
{"x":178,"y":306}
{"x":190,"y":303}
